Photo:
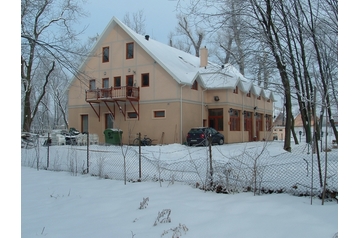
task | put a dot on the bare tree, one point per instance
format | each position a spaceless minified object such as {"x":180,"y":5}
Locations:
{"x":48,"y":41}
{"x":137,"y":22}
{"x":192,"y":32}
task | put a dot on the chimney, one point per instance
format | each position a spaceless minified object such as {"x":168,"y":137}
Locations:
{"x":203,"y":57}
{"x":147,"y":37}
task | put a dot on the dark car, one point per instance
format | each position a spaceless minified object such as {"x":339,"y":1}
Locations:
{"x":200,"y":136}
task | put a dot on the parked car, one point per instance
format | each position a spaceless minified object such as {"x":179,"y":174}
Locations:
{"x":200,"y":136}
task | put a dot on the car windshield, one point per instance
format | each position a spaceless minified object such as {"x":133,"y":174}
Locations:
{"x":196,"y":130}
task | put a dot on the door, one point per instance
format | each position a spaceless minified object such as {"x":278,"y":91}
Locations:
{"x":84,"y":123}
{"x":129,"y":85}
{"x":216,"y":119}
{"x":248,"y":124}
{"x":105,"y":86}
{"x":258,"y":125}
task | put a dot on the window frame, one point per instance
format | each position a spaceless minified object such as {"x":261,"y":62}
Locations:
{"x":115,"y":80}
{"x":109,"y":116}
{"x":92,"y":84}
{"x":104,"y":80}
{"x":155,"y":112}
{"x":132,"y":118}
{"x":128,"y":50}
{"x":105,"y":54}
{"x":142,"y":80}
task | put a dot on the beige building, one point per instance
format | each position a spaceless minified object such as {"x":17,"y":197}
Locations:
{"x":137,"y":84}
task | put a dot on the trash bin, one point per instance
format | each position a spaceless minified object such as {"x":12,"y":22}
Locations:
{"x":113,"y":136}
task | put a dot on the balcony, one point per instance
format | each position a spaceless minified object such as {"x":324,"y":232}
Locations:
{"x":112,"y":94}
{"x":115,"y":95}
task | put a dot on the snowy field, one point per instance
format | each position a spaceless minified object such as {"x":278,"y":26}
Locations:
{"x":56,"y":204}
{"x":59,"y":204}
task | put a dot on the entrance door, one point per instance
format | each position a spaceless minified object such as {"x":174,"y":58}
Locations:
{"x":105,"y":86}
{"x":258,"y":125}
{"x":84,"y":123}
{"x":216,"y":119}
{"x":129,"y":85}
{"x":248,"y":124}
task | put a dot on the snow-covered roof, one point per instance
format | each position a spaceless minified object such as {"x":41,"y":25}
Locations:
{"x":184,"y":67}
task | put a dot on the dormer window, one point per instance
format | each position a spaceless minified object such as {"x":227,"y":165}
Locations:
{"x":105,"y":54}
{"x":129,"y":50}
{"x":195,"y":85}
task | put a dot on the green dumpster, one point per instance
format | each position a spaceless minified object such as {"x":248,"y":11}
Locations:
{"x":113,"y":136}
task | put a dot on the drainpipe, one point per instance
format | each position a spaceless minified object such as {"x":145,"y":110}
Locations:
{"x":181,"y":113}
{"x":202,"y":105}
{"x":243,"y":116}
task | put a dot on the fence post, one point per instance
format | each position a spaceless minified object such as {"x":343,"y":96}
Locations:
{"x":88,"y":152}
{"x":211,"y":162}
{"x":140,"y":157}
{"x":48,"y":150}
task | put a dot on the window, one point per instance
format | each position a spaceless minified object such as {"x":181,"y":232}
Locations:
{"x":248,"y":94}
{"x":195,"y":85}
{"x":105,"y":83}
{"x":160,"y":113}
{"x":92,"y":84}
{"x":235,"y":120}
{"x":129,"y":51}
{"x":268,"y":100}
{"x":109,"y":120}
{"x":132,"y":115}
{"x":84,"y":123}
{"x":259,"y":98}
{"x":236,"y":90}
{"x":145,"y":80}
{"x":117,"y":82}
{"x":105,"y":54}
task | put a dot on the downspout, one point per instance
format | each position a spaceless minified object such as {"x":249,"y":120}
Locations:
{"x":202,"y":105}
{"x":243,"y":115}
{"x":181,"y":113}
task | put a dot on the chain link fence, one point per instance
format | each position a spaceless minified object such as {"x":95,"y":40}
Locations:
{"x":254,"y":169}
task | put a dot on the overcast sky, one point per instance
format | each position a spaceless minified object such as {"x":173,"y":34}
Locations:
{"x":160,"y":16}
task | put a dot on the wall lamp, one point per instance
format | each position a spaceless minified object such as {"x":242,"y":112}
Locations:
{"x":255,"y":108}
{"x":216,"y":98}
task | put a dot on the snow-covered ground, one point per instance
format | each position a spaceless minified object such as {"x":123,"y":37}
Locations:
{"x":58,"y":204}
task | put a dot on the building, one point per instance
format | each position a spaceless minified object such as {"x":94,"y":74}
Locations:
{"x":136,"y":84}
{"x":279,"y":125}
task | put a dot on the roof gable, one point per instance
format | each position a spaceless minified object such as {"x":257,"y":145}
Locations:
{"x":184,"y":67}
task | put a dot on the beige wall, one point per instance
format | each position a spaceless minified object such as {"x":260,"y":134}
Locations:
{"x":184,"y":107}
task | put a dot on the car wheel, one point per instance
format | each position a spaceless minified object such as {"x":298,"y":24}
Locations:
{"x":221,"y":141}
